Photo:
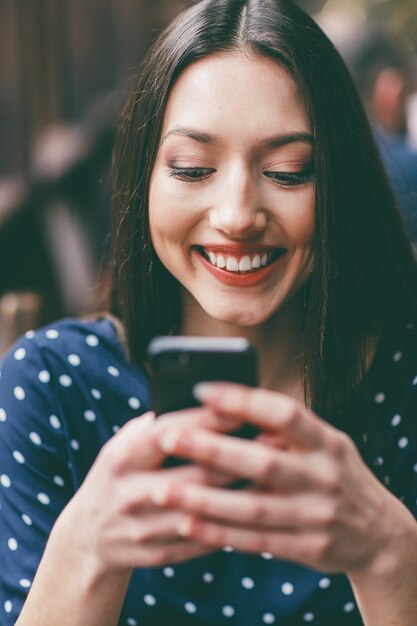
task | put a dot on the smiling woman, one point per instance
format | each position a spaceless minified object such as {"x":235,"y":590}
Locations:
{"x":249,"y":200}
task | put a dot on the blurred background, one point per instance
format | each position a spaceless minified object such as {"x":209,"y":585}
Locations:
{"x":65,"y":71}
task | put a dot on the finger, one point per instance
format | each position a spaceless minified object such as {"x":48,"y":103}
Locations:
{"x":305,"y":548}
{"x":194,"y":474}
{"x":249,"y":508}
{"x":135,"y":445}
{"x":135,"y":491}
{"x":198,"y":417}
{"x":157,"y":526}
{"x":268,"y":410}
{"x":171,"y":553}
{"x":238,"y":457}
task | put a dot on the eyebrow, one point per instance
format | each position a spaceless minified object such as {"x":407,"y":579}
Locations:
{"x":275,"y":141}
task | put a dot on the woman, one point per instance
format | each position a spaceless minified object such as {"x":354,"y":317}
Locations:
{"x":249,"y":200}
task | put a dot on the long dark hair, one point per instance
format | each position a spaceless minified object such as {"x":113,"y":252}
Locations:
{"x":364,"y":277}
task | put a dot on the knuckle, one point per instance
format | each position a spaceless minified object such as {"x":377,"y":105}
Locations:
{"x":256,"y":512}
{"x":292,"y":415}
{"x":139,"y":534}
{"x":328,"y":516}
{"x":161,"y":556}
{"x":126,"y":500}
{"x":318,"y":549}
{"x":262,"y":543}
{"x":250,"y":399}
{"x":331,"y":482}
{"x":330,"y":477}
{"x":114,"y":457}
{"x":147,"y":558}
{"x":267,"y":468}
{"x":341,"y":444}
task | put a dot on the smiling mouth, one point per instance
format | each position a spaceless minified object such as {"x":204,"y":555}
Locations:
{"x":240,"y":264}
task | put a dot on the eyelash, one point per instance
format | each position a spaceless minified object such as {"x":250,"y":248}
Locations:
{"x":283,"y":179}
{"x":290,"y":179}
{"x":190,"y":174}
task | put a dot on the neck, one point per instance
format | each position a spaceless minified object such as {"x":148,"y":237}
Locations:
{"x":278,"y":340}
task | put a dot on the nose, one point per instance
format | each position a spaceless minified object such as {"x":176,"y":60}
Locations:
{"x":238,"y":212}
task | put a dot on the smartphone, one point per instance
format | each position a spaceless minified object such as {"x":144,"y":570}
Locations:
{"x":178,"y":363}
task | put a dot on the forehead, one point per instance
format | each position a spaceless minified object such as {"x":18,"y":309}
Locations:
{"x":232,"y":91}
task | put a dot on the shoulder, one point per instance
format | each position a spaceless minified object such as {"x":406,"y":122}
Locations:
{"x":72,"y":341}
{"x":69,"y":333}
{"x":65,"y":389}
{"x":68,"y":361}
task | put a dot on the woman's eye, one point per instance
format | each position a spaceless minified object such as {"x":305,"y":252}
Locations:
{"x":290,"y":179}
{"x":190,"y":174}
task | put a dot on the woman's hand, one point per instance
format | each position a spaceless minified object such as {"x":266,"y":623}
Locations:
{"x":313,"y":499}
{"x":116,"y":520}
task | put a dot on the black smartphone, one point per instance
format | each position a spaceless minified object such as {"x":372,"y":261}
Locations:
{"x":177,"y":363}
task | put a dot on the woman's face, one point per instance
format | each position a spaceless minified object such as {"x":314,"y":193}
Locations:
{"x":231,"y":204}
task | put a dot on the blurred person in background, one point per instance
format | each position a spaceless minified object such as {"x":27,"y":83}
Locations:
{"x":385,"y":71}
{"x":249,"y":200}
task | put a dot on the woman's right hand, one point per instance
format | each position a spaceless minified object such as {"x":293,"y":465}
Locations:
{"x":112,"y":521}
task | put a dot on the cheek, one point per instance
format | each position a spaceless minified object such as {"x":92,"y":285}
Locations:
{"x":299,"y":219}
{"x":164,"y":210}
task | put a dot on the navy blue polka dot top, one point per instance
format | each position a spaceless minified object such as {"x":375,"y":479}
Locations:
{"x":67,"y":388}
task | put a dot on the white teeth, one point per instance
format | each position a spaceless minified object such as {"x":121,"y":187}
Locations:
{"x":232,"y":264}
{"x":221,"y":261}
{"x":245,"y":264}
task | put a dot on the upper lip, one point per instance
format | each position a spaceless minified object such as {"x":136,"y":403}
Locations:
{"x":238,"y":248}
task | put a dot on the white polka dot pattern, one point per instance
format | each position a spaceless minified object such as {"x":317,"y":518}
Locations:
{"x":134,"y":403}
{"x":74,"y":360}
{"x":12,"y":544}
{"x":190,"y":607}
{"x":18,"y":456}
{"x":8,"y":606}
{"x":92,"y":341}
{"x":44,"y":376}
{"x":228,"y":611}
{"x":19,"y":393}
{"x":89,"y":415}
{"x":20,"y":354}
{"x":287,"y":589}
{"x":55,"y":422}
{"x":5,"y":481}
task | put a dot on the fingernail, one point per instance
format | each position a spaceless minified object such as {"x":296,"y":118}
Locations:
{"x":160,"y":494}
{"x":168,"y":441}
{"x":203,"y":392}
{"x":149,"y":416}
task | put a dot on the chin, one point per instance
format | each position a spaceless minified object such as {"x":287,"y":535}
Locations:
{"x":236,"y":316}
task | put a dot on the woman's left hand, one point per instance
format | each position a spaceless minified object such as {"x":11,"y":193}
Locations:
{"x":312,"y":498}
